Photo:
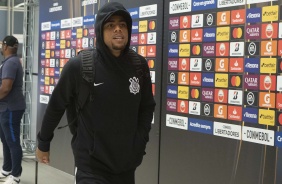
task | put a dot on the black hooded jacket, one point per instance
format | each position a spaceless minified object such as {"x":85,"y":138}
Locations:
{"x":120,"y":115}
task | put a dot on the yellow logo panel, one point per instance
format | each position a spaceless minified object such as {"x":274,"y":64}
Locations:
{"x":221,"y":80}
{"x":266,"y":117}
{"x":184,"y":50}
{"x":268,"y":65}
{"x":63,"y":44}
{"x":47,"y":81}
{"x":143,"y":26}
{"x":270,"y":13}
{"x":183,"y":92}
{"x":222,"y":33}
{"x":79,"y":32}
{"x":47,"y":53}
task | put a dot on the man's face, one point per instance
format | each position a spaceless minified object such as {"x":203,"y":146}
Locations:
{"x":115,"y":34}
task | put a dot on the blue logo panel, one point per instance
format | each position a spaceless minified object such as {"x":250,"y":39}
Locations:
{"x":209,"y":35}
{"x":89,"y":20}
{"x":208,"y":79}
{"x":135,"y":27}
{"x":56,"y":25}
{"x":57,"y":72}
{"x":57,"y":44}
{"x":253,"y":15}
{"x":278,"y":139}
{"x":172,"y":91}
{"x":252,"y":65}
{"x":73,"y":33}
{"x":173,"y":50}
{"x":42,"y":54}
{"x":134,"y":13}
{"x":250,"y":115}
{"x":202,"y":126}
{"x":203,"y":4}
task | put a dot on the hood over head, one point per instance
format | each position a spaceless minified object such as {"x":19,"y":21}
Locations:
{"x":109,"y":9}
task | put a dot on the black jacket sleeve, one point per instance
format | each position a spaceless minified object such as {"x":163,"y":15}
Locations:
{"x":61,"y":97}
{"x":147,"y":105}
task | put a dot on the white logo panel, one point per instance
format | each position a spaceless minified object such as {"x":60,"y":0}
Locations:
{"x":177,"y":122}
{"x":179,"y":6}
{"x":227,"y":130}
{"x":256,"y":135}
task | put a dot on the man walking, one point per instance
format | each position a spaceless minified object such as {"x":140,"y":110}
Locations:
{"x":113,"y":129}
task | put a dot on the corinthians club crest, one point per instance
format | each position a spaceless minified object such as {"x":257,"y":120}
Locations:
{"x":134,"y":85}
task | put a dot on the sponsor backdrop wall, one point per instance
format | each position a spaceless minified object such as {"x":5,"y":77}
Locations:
{"x":221,"y":107}
{"x":66,"y":28}
{"x":216,"y":71}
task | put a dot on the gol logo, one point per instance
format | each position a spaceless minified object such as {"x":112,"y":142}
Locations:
{"x":184,"y":36}
{"x":196,"y":50}
{"x":237,"y":33}
{"x":268,"y":48}
{"x":183,"y":78}
{"x":142,"y":50}
{"x":220,"y":111}
{"x":223,"y":18}
{"x":221,"y":64}
{"x":267,"y":100}
{"x":48,"y":45}
{"x":235,"y":81}
{"x":195,"y":93}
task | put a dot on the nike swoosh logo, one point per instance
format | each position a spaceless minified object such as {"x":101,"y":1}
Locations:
{"x":98,"y":84}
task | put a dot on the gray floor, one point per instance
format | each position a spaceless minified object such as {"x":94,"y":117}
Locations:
{"x":46,"y":174}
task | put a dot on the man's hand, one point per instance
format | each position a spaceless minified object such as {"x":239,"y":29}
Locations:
{"x":42,"y":157}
